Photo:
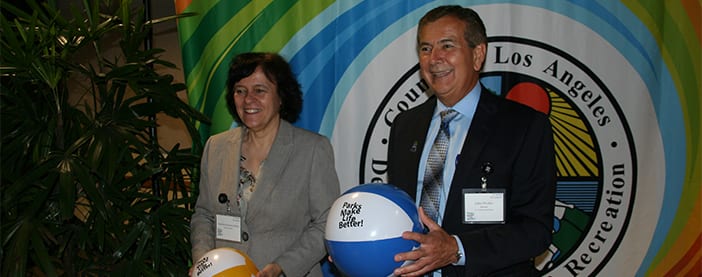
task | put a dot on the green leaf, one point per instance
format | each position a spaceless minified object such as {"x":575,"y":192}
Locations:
{"x":42,"y":258}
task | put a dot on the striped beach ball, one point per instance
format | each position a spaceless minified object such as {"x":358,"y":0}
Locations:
{"x":364,"y":229}
{"x":225,"y":262}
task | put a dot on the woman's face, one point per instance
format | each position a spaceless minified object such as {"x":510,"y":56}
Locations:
{"x":257,"y":101}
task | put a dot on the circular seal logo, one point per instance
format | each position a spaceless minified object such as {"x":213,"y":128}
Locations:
{"x":596,"y":162}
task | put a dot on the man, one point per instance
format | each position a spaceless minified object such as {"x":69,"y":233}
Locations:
{"x":496,"y":184}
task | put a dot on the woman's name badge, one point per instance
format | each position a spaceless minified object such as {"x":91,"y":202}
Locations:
{"x":228,"y":227}
{"x":484,"y":206}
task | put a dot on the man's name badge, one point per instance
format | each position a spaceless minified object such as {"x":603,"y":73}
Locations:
{"x":484,"y":206}
{"x":228,"y":227}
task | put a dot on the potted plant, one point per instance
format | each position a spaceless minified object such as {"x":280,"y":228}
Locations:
{"x":86,"y":187}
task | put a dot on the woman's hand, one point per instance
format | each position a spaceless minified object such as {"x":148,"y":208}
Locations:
{"x":270,"y":270}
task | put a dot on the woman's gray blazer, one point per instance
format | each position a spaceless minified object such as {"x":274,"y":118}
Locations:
{"x":286,"y":215}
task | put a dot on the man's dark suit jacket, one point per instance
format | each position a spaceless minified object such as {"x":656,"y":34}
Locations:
{"x":518,"y":142}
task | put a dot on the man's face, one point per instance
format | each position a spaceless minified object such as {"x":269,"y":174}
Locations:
{"x":449,"y":65}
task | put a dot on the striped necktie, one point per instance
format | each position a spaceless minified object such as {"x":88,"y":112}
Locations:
{"x":433,"y":174}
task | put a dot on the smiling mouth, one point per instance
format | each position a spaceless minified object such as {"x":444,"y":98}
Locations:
{"x":249,"y":111}
{"x":440,"y":74}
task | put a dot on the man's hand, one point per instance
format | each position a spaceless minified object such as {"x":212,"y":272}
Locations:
{"x":437,"y":249}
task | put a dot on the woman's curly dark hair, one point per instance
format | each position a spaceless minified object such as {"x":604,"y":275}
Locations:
{"x":277,"y":70}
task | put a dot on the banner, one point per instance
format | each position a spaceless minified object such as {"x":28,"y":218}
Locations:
{"x":620,"y":81}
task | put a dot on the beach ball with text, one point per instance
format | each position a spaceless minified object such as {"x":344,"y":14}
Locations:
{"x":364,"y":229}
{"x":225,"y":262}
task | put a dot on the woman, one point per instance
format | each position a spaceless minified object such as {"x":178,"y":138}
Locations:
{"x":266,"y":186}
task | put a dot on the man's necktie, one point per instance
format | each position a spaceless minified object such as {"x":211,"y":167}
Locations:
{"x":433,"y":175}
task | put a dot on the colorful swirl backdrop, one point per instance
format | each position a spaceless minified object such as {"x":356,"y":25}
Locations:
{"x":349,"y":54}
